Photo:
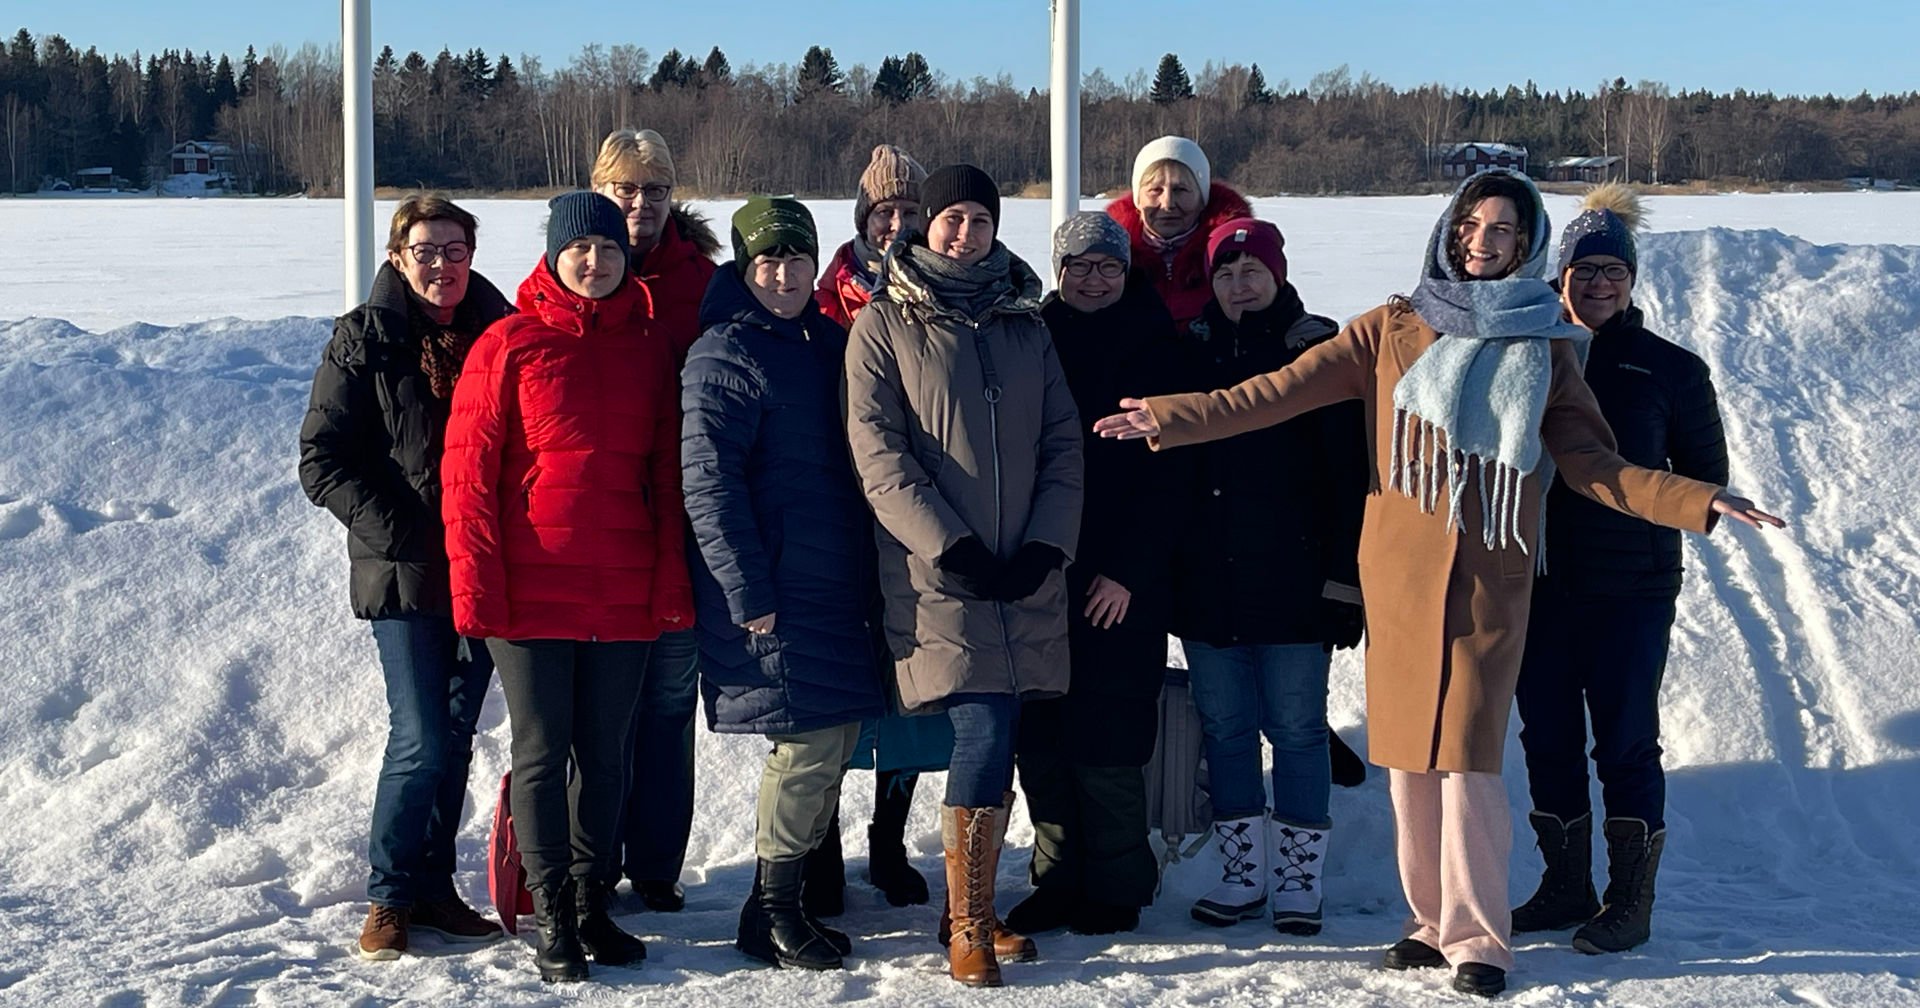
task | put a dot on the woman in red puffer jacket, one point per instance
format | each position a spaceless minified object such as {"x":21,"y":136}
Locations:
{"x":566,"y":536}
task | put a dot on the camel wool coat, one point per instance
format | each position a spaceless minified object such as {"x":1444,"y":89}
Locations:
{"x":1446,"y":617}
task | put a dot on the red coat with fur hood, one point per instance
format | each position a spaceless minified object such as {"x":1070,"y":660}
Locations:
{"x":1182,"y":282}
{"x":676,"y":271}
{"x":562,"y":473}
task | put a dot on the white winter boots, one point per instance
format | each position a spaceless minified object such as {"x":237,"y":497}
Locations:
{"x":1271,"y":865}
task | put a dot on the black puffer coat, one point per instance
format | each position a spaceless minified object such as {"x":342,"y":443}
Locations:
{"x":1109,"y":716}
{"x":1659,"y":400}
{"x":780,"y":519}
{"x":371,"y":443}
{"x":1271,"y":518}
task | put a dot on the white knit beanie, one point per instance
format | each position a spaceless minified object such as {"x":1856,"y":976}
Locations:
{"x":1173,"y":148}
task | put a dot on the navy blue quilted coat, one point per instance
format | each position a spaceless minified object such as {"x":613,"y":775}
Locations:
{"x":781,"y":521}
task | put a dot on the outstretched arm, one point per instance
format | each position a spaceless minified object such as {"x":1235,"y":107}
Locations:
{"x":1336,"y":370}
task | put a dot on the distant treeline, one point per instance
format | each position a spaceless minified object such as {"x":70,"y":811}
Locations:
{"x":474,"y":121}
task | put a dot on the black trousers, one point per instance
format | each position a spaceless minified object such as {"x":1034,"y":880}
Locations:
{"x":1090,"y":825}
{"x":1598,"y":658}
{"x":568,"y":700}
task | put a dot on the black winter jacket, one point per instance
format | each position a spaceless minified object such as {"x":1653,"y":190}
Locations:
{"x":371,"y":443}
{"x":1271,"y":521}
{"x":1659,"y":400}
{"x":1131,"y":496}
{"x":780,"y":519}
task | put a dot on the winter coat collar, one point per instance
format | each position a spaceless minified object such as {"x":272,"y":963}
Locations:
{"x":686,"y":235}
{"x":729,"y":301}
{"x":542,"y":295}
{"x":391,"y":305}
{"x":1286,"y":319}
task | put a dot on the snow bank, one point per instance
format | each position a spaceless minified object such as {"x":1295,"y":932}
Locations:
{"x":189,"y":756}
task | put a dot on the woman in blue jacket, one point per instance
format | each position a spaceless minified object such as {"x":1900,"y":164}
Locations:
{"x":788,"y":584}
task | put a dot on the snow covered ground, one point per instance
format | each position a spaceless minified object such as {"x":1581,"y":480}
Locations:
{"x":194,"y":721}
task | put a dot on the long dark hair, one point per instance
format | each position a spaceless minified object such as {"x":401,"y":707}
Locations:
{"x":1487,"y":186}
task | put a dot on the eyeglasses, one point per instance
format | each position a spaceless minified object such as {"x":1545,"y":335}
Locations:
{"x":654,"y":193}
{"x":1112,"y":269}
{"x":427,"y":253}
{"x":1612,"y":271}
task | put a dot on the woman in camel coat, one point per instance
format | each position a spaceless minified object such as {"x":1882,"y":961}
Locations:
{"x":1446,"y":574}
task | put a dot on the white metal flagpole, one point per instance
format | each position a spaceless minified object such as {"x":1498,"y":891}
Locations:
{"x":1064,"y":91}
{"x":356,"y":65}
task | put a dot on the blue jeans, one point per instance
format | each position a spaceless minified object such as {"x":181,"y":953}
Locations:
{"x":433,"y":701}
{"x":981,"y":770}
{"x":657,"y":814}
{"x":1279,"y":690}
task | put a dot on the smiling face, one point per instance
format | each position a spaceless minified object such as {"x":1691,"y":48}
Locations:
{"x":1170,"y":200}
{"x":1594,"y":299}
{"x":435,"y":278}
{"x":963,"y":231}
{"x":782,"y":283}
{"x":1092,"y":281}
{"x":591,"y":266}
{"x":1243,"y":284}
{"x":1487,"y":239}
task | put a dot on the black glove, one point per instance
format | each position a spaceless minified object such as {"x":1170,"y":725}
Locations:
{"x":1028,"y":570}
{"x":972,"y":565}
{"x":1340,"y":624}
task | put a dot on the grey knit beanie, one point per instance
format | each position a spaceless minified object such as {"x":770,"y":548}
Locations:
{"x":577,"y":214}
{"x":1090,"y":232}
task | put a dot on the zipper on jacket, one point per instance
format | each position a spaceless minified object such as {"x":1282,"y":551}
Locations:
{"x":991,"y":392}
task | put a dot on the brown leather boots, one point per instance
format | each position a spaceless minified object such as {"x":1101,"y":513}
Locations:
{"x":976,"y":940}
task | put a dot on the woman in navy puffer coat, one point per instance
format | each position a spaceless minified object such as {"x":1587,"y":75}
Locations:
{"x":787,"y":589}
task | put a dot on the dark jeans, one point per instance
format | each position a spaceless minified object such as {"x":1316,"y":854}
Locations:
{"x":981,"y":770}
{"x":1600,"y":658}
{"x":433,"y":700}
{"x":568,"y":698}
{"x":658,"y":812}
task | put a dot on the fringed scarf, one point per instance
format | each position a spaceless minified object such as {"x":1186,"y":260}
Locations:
{"x":1481,"y":388}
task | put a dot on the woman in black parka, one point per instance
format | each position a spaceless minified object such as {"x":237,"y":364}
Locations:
{"x":788,"y":588}
{"x":1080,"y":756}
{"x":370,"y":453}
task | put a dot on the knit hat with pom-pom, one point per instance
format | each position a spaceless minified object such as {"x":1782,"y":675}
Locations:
{"x":1609,"y":216}
{"x":892,"y":175}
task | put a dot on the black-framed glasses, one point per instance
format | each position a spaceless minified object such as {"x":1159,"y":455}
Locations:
{"x":654,"y":192}
{"x":427,"y":253}
{"x":1612,"y":271}
{"x":1112,"y":269}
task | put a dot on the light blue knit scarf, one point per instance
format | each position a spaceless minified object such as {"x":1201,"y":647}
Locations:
{"x":1481,"y":388}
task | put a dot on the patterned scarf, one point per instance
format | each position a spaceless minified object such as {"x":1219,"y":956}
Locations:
{"x":443,"y":350}
{"x":1481,"y":387}
{"x":927,"y":283}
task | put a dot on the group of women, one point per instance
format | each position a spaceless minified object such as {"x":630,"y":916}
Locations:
{"x":876,"y":500}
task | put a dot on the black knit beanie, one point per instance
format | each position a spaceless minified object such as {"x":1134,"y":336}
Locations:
{"x":578,"y":214}
{"x":956,"y":184}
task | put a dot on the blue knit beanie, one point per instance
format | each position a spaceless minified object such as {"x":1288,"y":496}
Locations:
{"x":1597,"y":232}
{"x":578,"y":214}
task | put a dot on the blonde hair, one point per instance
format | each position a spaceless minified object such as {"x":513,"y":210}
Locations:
{"x":419,"y":207}
{"x":629,"y":155}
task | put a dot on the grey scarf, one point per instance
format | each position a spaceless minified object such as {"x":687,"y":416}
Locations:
{"x":1481,"y":387}
{"x":927,"y":284}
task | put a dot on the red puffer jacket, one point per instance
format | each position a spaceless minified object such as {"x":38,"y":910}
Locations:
{"x":676,"y":271}
{"x":561,"y":479}
{"x":841,"y":293}
{"x":1183,"y":283}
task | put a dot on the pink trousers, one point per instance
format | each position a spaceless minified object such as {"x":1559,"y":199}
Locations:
{"x":1453,"y":835}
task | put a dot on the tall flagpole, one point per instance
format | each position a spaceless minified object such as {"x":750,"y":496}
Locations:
{"x":1064,"y":91}
{"x":356,"y":65}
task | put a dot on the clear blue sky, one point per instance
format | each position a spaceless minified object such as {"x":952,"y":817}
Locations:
{"x":1797,"y":48}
